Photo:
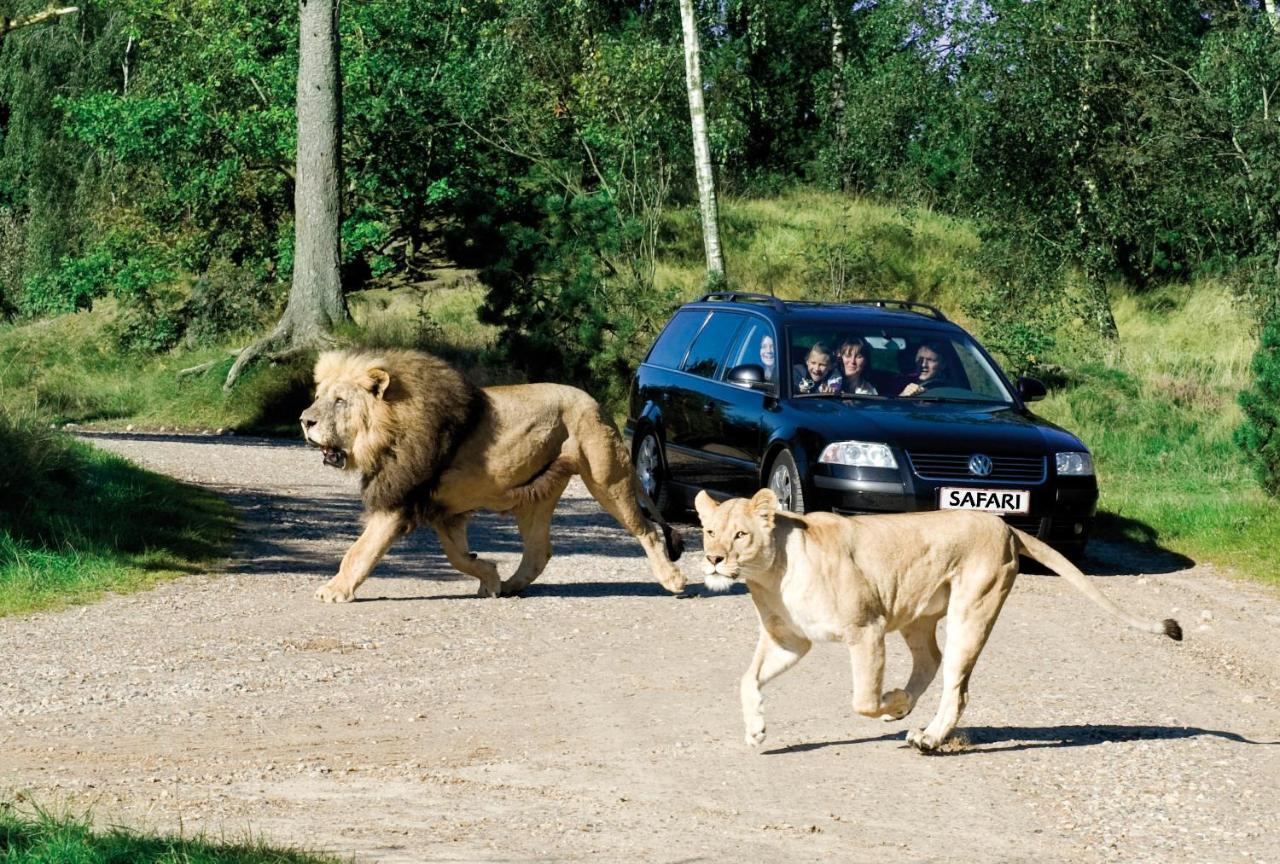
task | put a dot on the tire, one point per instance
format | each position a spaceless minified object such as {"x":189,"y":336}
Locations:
{"x":784,"y":480}
{"x":651,"y":475}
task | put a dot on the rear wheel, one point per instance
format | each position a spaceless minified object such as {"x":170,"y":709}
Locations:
{"x":784,"y":480}
{"x":651,"y":473}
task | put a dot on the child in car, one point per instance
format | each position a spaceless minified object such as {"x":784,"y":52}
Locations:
{"x":816,"y":374}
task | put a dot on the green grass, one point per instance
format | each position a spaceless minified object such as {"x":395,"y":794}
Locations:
{"x":76,"y":522}
{"x":43,"y":838}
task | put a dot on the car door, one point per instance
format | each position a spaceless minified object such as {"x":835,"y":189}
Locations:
{"x":697,"y":407}
{"x":737,"y":444}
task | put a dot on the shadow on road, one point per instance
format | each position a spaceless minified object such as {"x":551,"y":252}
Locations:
{"x":1007,"y":739}
{"x":307,"y":535}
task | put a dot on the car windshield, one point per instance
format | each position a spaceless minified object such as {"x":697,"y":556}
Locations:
{"x":884,"y":362}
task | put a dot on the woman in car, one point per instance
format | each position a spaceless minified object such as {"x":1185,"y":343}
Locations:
{"x":853,"y":362}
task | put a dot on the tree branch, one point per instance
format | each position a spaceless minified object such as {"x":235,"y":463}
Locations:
{"x":8,"y":25}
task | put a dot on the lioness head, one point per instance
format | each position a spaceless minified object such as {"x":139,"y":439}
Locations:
{"x":342,"y":419}
{"x":737,"y":537}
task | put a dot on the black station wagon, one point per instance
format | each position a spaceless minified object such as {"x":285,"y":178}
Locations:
{"x":908,"y":412}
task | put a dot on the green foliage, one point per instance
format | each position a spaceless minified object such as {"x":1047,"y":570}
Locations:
{"x":1259,"y":435}
{"x":42,"y":837}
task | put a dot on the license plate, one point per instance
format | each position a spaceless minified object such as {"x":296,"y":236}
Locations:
{"x":989,"y":500}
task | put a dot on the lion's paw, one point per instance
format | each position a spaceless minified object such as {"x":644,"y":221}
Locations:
{"x":332,"y":593}
{"x":671,"y":578}
{"x":755,"y":732}
{"x":897,"y":704}
{"x":922,"y":741}
{"x":487,"y":591}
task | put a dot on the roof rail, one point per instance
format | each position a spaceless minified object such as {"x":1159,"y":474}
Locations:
{"x":746,"y":297}
{"x":905,"y":305}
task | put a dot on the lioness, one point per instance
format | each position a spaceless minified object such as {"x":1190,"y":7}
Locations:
{"x":853,"y":579}
{"x":432,"y":448}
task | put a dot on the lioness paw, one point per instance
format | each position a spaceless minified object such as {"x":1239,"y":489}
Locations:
{"x":922,"y":741}
{"x":897,"y":704}
{"x":331,"y":593}
{"x":754,"y":739}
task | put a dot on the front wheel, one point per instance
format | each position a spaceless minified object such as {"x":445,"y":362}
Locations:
{"x":651,"y":473}
{"x":784,"y":480}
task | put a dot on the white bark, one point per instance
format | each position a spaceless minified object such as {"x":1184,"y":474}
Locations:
{"x":1273,"y":13}
{"x":8,"y":25}
{"x":701,"y":150}
{"x":837,"y":89}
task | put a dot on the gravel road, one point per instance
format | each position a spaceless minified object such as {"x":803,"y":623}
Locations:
{"x":597,"y":717}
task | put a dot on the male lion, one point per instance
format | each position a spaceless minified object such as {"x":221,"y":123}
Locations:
{"x":853,"y":579}
{"x":432,"y":448}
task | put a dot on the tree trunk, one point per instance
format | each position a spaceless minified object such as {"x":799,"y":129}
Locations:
{"x":315,"y":302}
{"x":1272,"y":13}
{"x":837,"y":91}
{"x":1086,"y":200}
{"x":701,"y":150}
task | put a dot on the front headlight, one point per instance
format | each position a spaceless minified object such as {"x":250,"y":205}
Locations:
{"x":859,"y":454}
{"x":1075,"y":465}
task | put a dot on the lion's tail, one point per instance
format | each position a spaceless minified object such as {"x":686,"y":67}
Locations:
{"x":1040,"y":551}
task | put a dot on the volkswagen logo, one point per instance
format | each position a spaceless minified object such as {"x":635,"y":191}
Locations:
{"x":979,"y":465}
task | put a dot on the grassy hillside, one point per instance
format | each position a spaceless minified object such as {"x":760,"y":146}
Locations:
{"x":1159,"y":414}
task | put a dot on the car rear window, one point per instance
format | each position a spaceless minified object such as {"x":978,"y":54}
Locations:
{"x":707,"y":353}
{"x":671,"y":346}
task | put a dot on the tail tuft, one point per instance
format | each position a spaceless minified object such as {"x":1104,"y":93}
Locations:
{"x":1173,"y":630}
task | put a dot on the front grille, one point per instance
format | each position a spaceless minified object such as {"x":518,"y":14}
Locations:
{"x":955,"y":466}
{"x":1034,"y":527}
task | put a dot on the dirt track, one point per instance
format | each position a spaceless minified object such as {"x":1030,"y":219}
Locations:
{"x":598,"y":718}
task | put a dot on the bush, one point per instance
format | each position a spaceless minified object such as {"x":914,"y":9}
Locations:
{"x":226,"y":300}
{"x":1259,"y":435}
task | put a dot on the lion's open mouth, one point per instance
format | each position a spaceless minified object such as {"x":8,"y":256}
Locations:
{"x":335,"y":457}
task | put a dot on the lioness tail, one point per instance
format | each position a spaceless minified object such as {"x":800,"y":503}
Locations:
{"x":1042,"y":552}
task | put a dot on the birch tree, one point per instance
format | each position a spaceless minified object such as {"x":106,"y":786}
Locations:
{"x":701,"y":150}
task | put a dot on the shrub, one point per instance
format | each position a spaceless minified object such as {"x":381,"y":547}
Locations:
{"x":226,"y":300}
{"x":1259,"y":434}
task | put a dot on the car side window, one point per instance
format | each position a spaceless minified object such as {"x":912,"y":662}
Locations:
{"x":747,"y":348}
{"x":671,"y":346}
{"x":709,"y":349}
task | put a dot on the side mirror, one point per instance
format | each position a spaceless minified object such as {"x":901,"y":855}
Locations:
{"x":748,"y":375}
{"x":1031,"y":389}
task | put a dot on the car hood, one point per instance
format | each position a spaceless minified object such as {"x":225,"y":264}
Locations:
{"x":957,"y":427}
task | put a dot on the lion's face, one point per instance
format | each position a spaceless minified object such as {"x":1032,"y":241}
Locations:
{"x":347,"y":394}
{"x":737,"y":537}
